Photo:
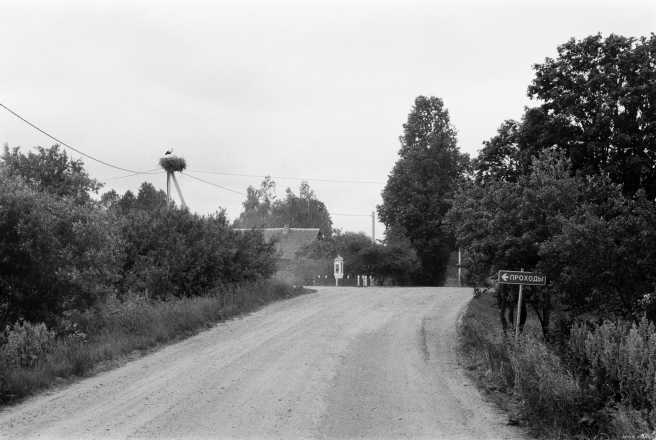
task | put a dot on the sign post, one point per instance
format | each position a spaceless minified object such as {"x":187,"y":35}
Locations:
{"x":521,"y":278}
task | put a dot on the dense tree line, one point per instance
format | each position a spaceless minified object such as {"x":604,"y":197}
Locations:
{"x":569,"y":190}
{"x":392,"y":263}
{"x":61,"y":250}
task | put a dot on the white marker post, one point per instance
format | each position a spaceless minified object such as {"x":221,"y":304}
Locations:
{"x":339,"y":269}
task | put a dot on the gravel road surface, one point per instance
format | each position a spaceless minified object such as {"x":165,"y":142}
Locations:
{"x":339,"y":363}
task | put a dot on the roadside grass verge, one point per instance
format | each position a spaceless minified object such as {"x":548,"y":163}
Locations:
{"x":602,"y":386}
{"x":32,"y":358}
{"x":522,"y":377}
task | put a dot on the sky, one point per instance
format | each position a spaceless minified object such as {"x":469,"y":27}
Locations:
{"x":297,"y":90}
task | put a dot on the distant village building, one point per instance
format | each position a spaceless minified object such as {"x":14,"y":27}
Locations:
{"x":289,"y":241}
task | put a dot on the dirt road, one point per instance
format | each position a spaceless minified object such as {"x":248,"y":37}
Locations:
{"x":339,"y":363}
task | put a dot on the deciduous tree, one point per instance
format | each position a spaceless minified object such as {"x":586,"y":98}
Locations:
{"x":418,"y":192}
{"x":262,"y":210}
{"x":598,"y":106}
{"x":51,"y":170}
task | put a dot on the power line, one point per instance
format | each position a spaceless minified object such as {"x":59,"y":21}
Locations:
{"x":66,"y":145}
{"x":353,"y":215}
{"x":135,"y":174}
{"x":285,"y":178}
{"x":214,"y":184}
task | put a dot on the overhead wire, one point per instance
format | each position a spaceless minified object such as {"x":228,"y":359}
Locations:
{"x":286,"y":178}
{"x":353,"y":215}
{"x":66,"y":145}
{"x":214,"y":184}
{"x":135,"y":173}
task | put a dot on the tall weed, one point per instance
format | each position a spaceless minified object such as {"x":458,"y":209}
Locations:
{"x":25,"y":344}
{"x":552,"y":397}
{"x":618,"y":362}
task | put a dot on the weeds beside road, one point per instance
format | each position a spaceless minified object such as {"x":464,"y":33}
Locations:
{"x":600,"y":384}
{"x":33,"y":357}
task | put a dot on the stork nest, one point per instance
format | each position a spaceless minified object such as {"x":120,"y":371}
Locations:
{"x":173,"y":164}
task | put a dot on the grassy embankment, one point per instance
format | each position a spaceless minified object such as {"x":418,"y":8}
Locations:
{"x":602,"y":385}
{"x":34,"y":357}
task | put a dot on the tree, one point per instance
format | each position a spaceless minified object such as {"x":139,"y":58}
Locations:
{"x":148,"y":198}
{"x":596,"y":246}
{"x":605,"y":90}
{"x":55,"y":254}
{"x":361,"y":257}
{"x":418,"y":191}
{"x":257,"y":206}
{"x":261,"y":210}
{"x":395,"y":261}
{"x":174,"y":252}
{"x":598,"y":107}
{"x":50,"y":170}
{"x":503,"y":224}
{"x":510,"y":153}
{"x":603,"y":262}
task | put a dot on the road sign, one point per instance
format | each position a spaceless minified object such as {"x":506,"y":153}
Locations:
{"x":528,"y":278}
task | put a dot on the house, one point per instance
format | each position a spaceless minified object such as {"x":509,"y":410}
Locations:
{"x":289,"y":241}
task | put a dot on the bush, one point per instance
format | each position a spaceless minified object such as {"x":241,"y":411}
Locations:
{"x":552,"y":396}
{"x":618,"y":362}
{"x":30,"y":357}
{"x":55,"y":254}
{"x":24,"y":345}
{"x":174,"y":252}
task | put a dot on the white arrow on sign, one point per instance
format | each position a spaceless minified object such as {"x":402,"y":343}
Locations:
{"x":504,"y":277}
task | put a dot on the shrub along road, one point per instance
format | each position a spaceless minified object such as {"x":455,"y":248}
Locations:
{"x":339,"y":363}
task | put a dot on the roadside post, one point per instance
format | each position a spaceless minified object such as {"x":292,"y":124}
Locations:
{"x":339,"y":269}
{"x":521,"y":278}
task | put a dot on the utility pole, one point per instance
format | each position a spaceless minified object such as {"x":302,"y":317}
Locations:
{"x":459,"y":266}
{"x":373,"y":227}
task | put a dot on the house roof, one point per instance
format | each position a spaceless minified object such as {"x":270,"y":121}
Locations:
{"x":290,"y":240}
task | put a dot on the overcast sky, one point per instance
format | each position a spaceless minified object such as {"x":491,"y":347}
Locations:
{"x":296,"y":90}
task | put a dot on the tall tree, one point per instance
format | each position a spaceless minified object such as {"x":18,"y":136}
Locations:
{"x":304,"y":211}
{"x":606,"y":92}
{"x":420,"y":186}
{"x":598,"y":105}
{"x":257,"y":206}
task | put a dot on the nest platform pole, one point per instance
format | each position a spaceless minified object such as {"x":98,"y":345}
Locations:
{"x":168,"y":189}
{"x":175,"y":181}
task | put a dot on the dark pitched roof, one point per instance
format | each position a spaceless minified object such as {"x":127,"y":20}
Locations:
{"x":291,"y":241}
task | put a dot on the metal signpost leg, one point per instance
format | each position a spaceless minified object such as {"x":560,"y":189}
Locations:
{"x":519,"y":310}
